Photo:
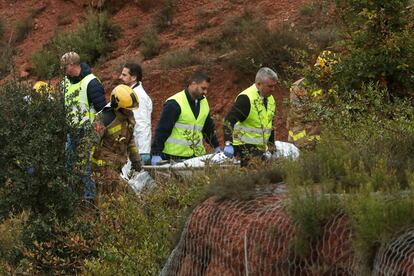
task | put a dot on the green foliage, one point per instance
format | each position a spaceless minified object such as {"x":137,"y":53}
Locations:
{"x":6,"y":58}
{"x":180,"y":58}
{"x":234,"y":31}
{"x":164,"y":17}
{"x":146,"y":5}
{"x":379,"y":47}
{"x":11,"y":243}
{"x":363,"y":165}
{"x":22,"y":29}
{"x":91,"y":40}
{"x":32,"y":139}
{"x":241,"y":185}
{"x":2,"y":29}
{"x":276,"y":49}
{"x":136,"y":233}
{"x":46,"y":63}
{"x":38,"y":191}
{"x":378,"y":218}
{"x":256,"y":45}
{"x":69,"y":244}
{"x":311,"y":210}
{"x":149,"y":42}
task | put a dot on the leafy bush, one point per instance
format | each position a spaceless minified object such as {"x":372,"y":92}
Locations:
{"x":275,"y":49}
{"x":136,"y":234}
{"x":179,"y":58}
{"x":6,"y":59}
{"x":11,"y":244}
{"x":164,"y":17}
{"x":38,"y":190}
{"x":68,"y":245}
{"x":149,"y":42}
{"x":91,"y":40}
{"x":234,"y":31}
{"x":22,"y":29}
{"x":379,"y":46}
{"x":146,"y":5}
{"x":2,"y":28}
{"x":254,"y":45}
{"x":33,"y":139}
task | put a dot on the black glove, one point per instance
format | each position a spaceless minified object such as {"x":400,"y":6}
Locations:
{"x":136,"y":166}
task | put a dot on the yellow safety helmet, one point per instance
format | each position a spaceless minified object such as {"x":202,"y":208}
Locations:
{"x":124,"y":97}
{"x":41,"y":86}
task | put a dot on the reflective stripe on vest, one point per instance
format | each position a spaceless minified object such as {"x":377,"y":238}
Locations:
{"x":76,"y":97}
{"x":258,"y":126}
{"x":186,"y":137}
{"x":301,"y":135}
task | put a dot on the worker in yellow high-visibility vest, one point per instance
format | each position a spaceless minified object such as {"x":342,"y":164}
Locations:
{"x":84,"y":97}
{"x":248,"y":128}
{"x":185,"y":123}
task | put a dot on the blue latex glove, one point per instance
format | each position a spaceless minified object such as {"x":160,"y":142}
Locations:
{"x":155,"y":159}
{"x":229,"y":151}
{"x":217,"y":149}
{"x":30,"y":171}
{"x":145,"y":158}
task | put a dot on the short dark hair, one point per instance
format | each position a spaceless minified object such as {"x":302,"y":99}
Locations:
{"x":198,"y":77}
{"x":134,"y":70}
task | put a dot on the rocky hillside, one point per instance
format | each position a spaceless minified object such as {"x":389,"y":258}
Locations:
{"x":192,"y":21}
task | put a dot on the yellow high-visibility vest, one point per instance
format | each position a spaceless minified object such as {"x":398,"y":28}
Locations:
{"x":76,"y":99}
{"x":258,"y":126}
{"x":186,"y":138}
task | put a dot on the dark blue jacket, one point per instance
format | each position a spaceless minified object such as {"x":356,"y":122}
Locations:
{"x":95,"y":90}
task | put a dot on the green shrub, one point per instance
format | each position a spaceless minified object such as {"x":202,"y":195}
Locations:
{"x":275,"y":49}
{"x":149,"y":42}
{"x":311,"y":210}
{"x":378,"y":218}
{"x":164,"y":17}
{"x":65,"y":250}
{"x":32,"y":140}
{"x":180,"y":58}
{"x":6,"y":59}
{"x":234,"y":31}
{"x":146,"y":5}
{"x":136,"y":234}
{"x":2,"y":29}
{"x":378,"y":47}
{"x":22,"y":29}
{"x":45,"y":63}
{"x":317,"y":14}
{"x":91,"y":40}
{"x":11,"y":243}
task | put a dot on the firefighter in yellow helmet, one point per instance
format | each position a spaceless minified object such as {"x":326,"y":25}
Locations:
{"x":114,"y":127}
{"x":42,"y":87}
{"x":305,"y":131}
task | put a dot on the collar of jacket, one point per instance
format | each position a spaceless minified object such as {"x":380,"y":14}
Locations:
{"x":189,"y":98}
{"x":85,"y":70}
{"x":136,"y":85}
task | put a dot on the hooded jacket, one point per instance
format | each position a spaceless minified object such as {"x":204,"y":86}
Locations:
{"x":95,"y":90}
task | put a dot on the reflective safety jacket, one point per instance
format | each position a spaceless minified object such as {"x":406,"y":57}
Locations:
{"x":186,"y":138}
{"x":76,"y":98}
{"x":116,"y":140}
{"x":257,"y":127}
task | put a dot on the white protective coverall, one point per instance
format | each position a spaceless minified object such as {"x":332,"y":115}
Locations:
{"x":142,"y":131}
